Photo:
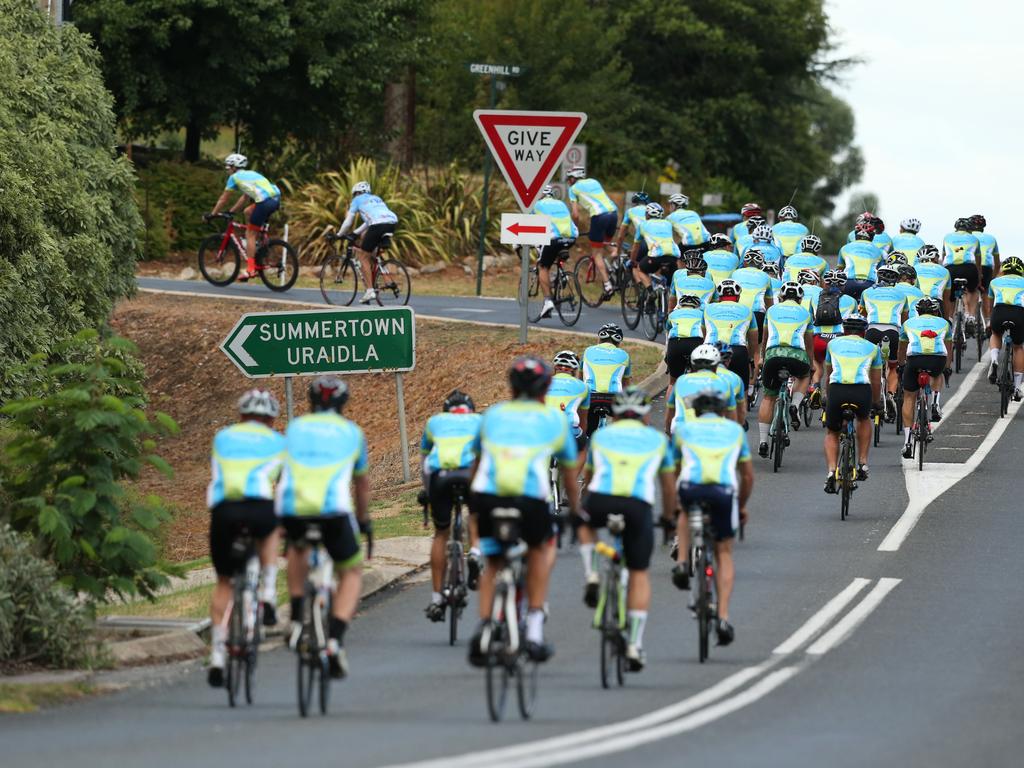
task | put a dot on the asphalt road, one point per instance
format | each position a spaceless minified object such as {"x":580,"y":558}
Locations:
{"x":845,"y":654}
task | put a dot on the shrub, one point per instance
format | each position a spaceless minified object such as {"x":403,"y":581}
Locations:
{"x":173,"y":196}
{"x":68,"y":450}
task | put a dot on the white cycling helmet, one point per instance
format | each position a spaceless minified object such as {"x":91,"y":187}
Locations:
{"x":928,"y":253}
{"x":791,"y":292}
{"x":361,"y":188}
{"x":788,"y":213}
{"x":729,"y":287}
{"x":654,"y":211}
{"x":235,"y":160}
{"x":808,"y":277}
{"x":911,"y":225}
{"x":577,"y":172}
{"x":259,"y":402}
{"x":679,"y":199}
{"x":810,"y":244}
{"x":762,"y":232}
{"x":705,"y":357}
{"x":547,"y":191}
{"x":566,"y":359}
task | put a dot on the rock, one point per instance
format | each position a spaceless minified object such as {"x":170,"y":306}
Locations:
{"x":490,"y":262}
{"x":467,"y":270}
{"x":507,"y":260}
{"x":429,"y":269}
{"x":310,"y":271}
{"x":187,"y":274}
{"x":413,"y":272}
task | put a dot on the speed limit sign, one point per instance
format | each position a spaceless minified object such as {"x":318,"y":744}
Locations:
{"x":575,"y":155}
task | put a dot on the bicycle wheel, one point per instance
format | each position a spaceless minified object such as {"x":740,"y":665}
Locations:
{"x":979,"y":335}
{"x":1003,"y":380}
{"x":454,"y":592}
{"x":280,"y":263}
{"x":250,"y":675}
{"x":568,"y":301}
{"x":778,"y":440}
{"x":591,"y":287}
{"x":632,"y":296}
{"x":805,"y":411}
{"x":392,"y":284}
{"x":899,"y":408}
{"x":526,"y":686}
{"x":649,"y":315}
{"x":339,"y":281}
{"x":922,"y":436}
{"x":497,"y":680}
{"x":219,"y":265}
{"x":534,"y":296}
{"x":842,"y":470}
{"x":306,"y":674}
{"x":703,"y":612}
{"x":877,"y":418}
{"x":609,"y":628}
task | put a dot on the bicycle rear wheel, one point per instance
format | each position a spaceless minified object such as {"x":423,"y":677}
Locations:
{"x":567,"y":298}
{"x":324,"y":675}
{"x":497,"y":686}
{"x":526,"y":686}
{"x":219,"y":265}
{"x":979,"y":335}
{"x":1004,"y":380}
{"x":703,"y":613}
{"x":339,"y":281}
{"x":632,"y":296}
{"x":306,"y":675}
{"x":534,"y":296}
{"x":591,"y":287}
{"x":778,"y":440}
{"x":878,"y":428}
{"x":922,"y":433}
{"x":609,"y":628}
{"x":649,"y":314}
{"x":280,"y":265}
{"x":392,"y":284}
{"x":454,"y":594}
{"x":844,"y":478}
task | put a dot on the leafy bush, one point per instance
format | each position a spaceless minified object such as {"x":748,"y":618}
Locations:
{"x":40,"y":622}
{"x":68,"y":220}
{"x":67,"y":452}
{"x":173,"y":197}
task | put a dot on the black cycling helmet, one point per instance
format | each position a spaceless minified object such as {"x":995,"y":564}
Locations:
{"x":887,"y":275}
{"x":529,"y":377}
{"x":907,"y":272}
{"x":640,"y":198}
{"x":1012,"y":266}
{"x":928,"y":306}
{"x":978,"y":223}
{"x":610,"y":332}
{"x":854,"y":324}
{"x":962,"y":224}
{"x":459,"y":400}
{"x":896,"y":258}
{"x":696,"y":263}
{"x":328,"y":393}
{"x":688,"y":300}
{"x":631,"y":402}
{"x":707,"y":401}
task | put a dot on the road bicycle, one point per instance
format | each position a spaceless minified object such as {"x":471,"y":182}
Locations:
{"x":959,"y":337}
{"x":454,"y":588}
{"x":898,"y":400}
{"x":220,"y":255}
{"x":610,"y":615}
{"x":921,"y":431}
{"x":244,"y":619}
{"x":318,"y":595}
{"x":846,"y":468}
{"x":341,"y":274}
{"x":1004,"y":370}
{"x":502,"y":640}
{"x":702,"y":569}
{"x":980,"y":336}
{"x":565,"y":290}
{"x":589,"y":278}
{"x":780,"y":424}
{"x":654,"y":307}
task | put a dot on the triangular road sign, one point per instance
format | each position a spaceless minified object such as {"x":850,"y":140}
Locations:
{"x":528,"y":146}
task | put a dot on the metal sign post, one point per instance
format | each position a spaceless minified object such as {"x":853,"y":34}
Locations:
{"x":289,"y":402}
{"x":402,"y":433}
{"x":524,"y":263}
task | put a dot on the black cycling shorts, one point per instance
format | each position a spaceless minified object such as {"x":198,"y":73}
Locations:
{"x":637,"y":536}
{"x":721,"y":504}
{"x":855,"y":287}
{"x":933,"y":364}
{"x":797,"y":367}
{"x":549,"y":253}
{"x":536,"y":523}
{"x":853,"y":397}
{"x":443,"y":485}
{"x":986,"y":277}
{"x":340,"y":536}
{"x":759,"y":318}
{"x":968,"y":272}
{"x":598,"y":399}
{"x":651,"y":264}
{"x":677,"y":354}
{"x":374,"y":234}
{"x":1003,"y":313}
{"x":227,"y":520}
{"x":740,"y":364}
{"x":602,"y":227}
{"x":889,"y":336}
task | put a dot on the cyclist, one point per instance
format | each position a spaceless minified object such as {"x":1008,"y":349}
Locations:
{"x":756,"y":286}
{"x":730,"y":321}
{"x":933,"y":278}
{"x":908,"y":241}
{"x":788,"y":232}
{"x":693,"y":280}
{"x":561,"y":227}
{"x":711,"y":451}
{"x":704,"y":362}
{"x":517,"y":440}
{"x":685,"y":333}
{"x":569,"y":394}
{"x":245,"y":462}
{"x":745,"y":240}
{"x":377,"y":221}
{"x":761,"y":238}
{"x":604,"y":217}
{"x":989,"y":258}
{"x":733,"y":379}
{"x":828,"y":309}
{"x":633,"y":215}
{"x":853,"y":381}
{"x":908,"y":286}
{"x":961,"y":255}
{"x":448,"y":448}
{"x":623,"y":461}
{"x":265,"y":197}
{"x":859,"y":259}
{"x":655,"y":248}
{"x":325,"y":454}
{"x":743,"y":228}
{"x":606,"y":370}
{"x":924,"y":346}
{"x":721,"y":261}
{"x":879,"y":238}
{"x":785,"y":345}
{"x":885,"y":307}
{"x":771,"y":268}
{"x":686,"y":223}
{"x":1007,"y":293}
{"x":806,"y":257}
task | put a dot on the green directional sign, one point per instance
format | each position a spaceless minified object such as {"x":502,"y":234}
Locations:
{"x":323,"y":341}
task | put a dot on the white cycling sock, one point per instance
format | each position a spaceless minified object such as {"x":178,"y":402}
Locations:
{"x":435,"y":598}
{"x":798,"y":398}
{"x":1018,"y":379}
{"x":474,"y":551}
{"x":535,"y":625}
{"x":906,"y":435}
{"x":269,"y":584}
{"x":637,"y":624}
{"x":587,"y":555}
{"x":936,"y":396}
{"x":994,"y":354}
{"x":218,"y":650}
{"x":762,"y":431}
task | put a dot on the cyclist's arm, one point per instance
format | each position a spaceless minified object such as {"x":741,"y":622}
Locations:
{"x":669,"y":499}
{"x":901,"y":356}
{"x":222,"y":201}
{"x":670,"y":410}
{"x":361,"y":484}
{"x":875,"y":375}
{"x":361,"y":228}
{"x":576,"y":212}
{"x":582,"y":413}
{"x":746,"y":473}
{"x":755,"y":359}
{"x":826,"y":377}
{"x":346,"y":225}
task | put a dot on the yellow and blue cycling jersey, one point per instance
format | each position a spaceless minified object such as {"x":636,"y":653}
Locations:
{"x":449,"y":441}
{"x":801,"y":261}
{"x":626,"y":457}
{"x":693,"y":285}
{"x":253,"y":185}
{"x":568,"y":394}
{"x":786,"y":324}
{"x":787,"y":236}
{"x":772,"y":253}
{"x":604,"y":367}
{"x":883,"y":305}
{"x":708,"y":450}
{"x":852,"y":359}
{"x":1007,"y":289}
{"x":634,"y":217}
{"x":657,"y":233}
{"x":776,"y":284}
{"x":859,"y":260}
{"x":245,"y":463}
{"x":933,"y":279}
{"x":847,"y":307}
{"x":372,"y":210}
{"x":960,"y":248}
{"x":988,"y":247}
{"x":685,"y":323}
{"x":756,"y":287}
{"x":518,"y":438}
{"x":912,"y":294}
{"x":591,"y":195}
{"x":721,"y":264}
{"x":742,"y":243}
{"x":882,"y":241}
{"x":689,"y":227}
{"x":907,"y":244}
{"x":690,"y":384}
{"x":558,"y":213}
{"x":738,"y":231}
{"x":739,"y":392}
{"x":323,"y":452}
{"x":727,"y":321}
{"x":925,"y":335}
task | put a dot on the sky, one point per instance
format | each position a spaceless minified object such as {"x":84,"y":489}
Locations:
{"x":939,"y":108}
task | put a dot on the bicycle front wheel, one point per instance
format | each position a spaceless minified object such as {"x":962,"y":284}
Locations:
{"x":534,"y":296}
{"x":392,"y":284}
{"x":568,"y":301}
{"x":922,"y":436}
{"x":649,"y":324}
{"x":339,"y":281}
{"x":219,"y":261}
{"x":703,"y":614}
{"x":280,"y":265}
{"x":324,"y":675}
{"x":526,"y":687}
{"x":632,"y":297}
{"x":307,"y":671}
{"x":591,"y":287}
{"x":455,"y":583}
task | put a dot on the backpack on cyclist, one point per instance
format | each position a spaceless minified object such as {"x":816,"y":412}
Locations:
{"x":827,"y":312}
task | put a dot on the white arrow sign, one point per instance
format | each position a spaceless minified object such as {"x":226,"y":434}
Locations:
{"x":237,"y":347}
{"x":525,"y":229}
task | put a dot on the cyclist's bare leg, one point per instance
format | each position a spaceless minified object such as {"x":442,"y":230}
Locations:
{"x":298,"y":569}
{"x":683,"y":536}
{"x":725,"y":574}
{"x":346,"y":594}
{"x":250,"y":241}
{"x":831,"y":449}
{"x":800,"y":385}
{"x":864,"y":429}
{"x":909,"y":399}
{"x":970,"y":303}
{"x":544,"y":275}
{"x":487,"y":577}
{"x":438,"y":547}
{"x":767,"y":407}
{"x":538,"y":572}
{"x":474,"y":537}
{"x":600,"y":253}
{"x":219,"y":599}
{"x":366,"y":265}
{"x":639,"y":597}
{"x":641,"y":277}
{"x":891,"y":378}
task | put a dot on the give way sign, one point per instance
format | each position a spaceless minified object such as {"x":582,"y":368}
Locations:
{"x":528,"y":146}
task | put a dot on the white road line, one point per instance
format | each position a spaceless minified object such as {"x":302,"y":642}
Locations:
{"x":957,"y":397}
{"x":467,"y":309}
{"x":849,"y":622}
{"x":819,"y":620}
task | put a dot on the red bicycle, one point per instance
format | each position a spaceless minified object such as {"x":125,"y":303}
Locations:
{"x":220,"y":256}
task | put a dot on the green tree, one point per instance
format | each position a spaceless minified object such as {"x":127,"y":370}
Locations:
{"x":833,"y":237}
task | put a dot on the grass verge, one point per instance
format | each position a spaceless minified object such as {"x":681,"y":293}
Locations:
{"x":21,"y":698}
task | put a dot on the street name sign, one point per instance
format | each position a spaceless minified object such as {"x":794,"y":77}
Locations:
{"x":317,"y":341}
{"x":525,"y":229}
{"x":528,"y":146}
{"x":502,"y":70}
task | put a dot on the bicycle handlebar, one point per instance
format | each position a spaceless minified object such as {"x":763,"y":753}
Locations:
{"x":221,"y":215}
